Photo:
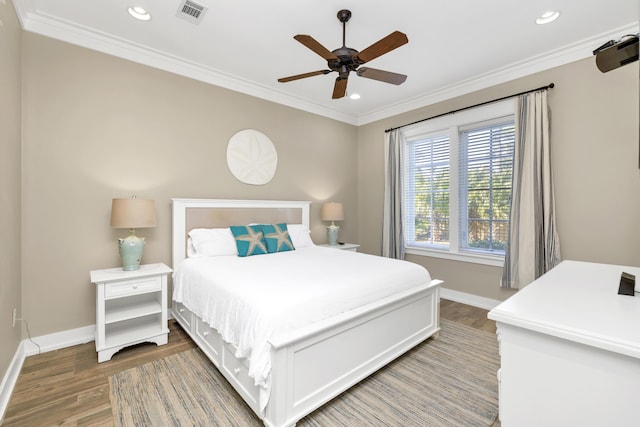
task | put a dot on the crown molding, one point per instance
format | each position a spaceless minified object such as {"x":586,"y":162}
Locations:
{"x":89,"y":38}
{"x":86,"y":37}
{"x":564,"y":55}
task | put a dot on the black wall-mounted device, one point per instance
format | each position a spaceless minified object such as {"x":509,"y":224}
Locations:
{"x":627,"y":284}
{"x":615,"y":54}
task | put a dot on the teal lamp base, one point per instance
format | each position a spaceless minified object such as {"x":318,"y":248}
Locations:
{"x":131,"y":249}
{"x":332,"y":234}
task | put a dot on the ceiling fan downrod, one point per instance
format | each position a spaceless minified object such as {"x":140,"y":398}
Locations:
{"x":343,"y":16}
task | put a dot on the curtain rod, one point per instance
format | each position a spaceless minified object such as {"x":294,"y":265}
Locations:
{"x":549,"y":86}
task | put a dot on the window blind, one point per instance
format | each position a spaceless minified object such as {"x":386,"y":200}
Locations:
{"x":485,"y":171}
{"x":427,"y":191}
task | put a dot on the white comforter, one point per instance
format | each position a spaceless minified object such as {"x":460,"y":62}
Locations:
{"x":253,"y":299}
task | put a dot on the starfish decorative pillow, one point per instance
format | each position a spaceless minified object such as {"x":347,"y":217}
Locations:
{"x":277,"y":238}
{"x":249,"y":240}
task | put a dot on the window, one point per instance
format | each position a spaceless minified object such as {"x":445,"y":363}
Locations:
{"x":428,"y":190}
{"x":458,"y":172}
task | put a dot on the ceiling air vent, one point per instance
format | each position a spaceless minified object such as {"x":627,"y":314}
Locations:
{"x":191,"y":11}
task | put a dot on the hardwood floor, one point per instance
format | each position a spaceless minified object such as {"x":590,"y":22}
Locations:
{"x":69,"y":387}
{"x":467,"y":315}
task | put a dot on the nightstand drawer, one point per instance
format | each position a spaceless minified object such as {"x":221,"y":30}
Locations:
{"x":132,"y":287}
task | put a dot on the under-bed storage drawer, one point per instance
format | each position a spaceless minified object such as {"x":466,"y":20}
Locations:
{"x":210,"y":339}
{"x":183,"y":314}
{"x":237,"y":372}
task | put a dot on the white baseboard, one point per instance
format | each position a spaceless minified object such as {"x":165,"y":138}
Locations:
{"x":63,"y":339}
{"x":10,"y":379}
{"x":469,"y":299}
{"x":28,"y":347}
{"x":59,"y":340}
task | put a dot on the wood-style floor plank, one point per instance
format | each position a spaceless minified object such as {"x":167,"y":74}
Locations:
{"x":467,"y":315}
{"x":70,"y":387}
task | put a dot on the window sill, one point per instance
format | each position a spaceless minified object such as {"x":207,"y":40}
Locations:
{"x":466,"y":257}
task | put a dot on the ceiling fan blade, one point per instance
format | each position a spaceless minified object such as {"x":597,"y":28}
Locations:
{"x":312,"y":44}
{"x":303,"y":76}
{"x":340,"y":88}
{"x":382,"y":46}
{"x":381,"y":75}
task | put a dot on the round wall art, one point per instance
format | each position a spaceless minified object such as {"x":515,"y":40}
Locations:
{"x":251,"y":157}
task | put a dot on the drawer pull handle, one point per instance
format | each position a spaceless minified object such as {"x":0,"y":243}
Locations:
{"x":135,"y":286}
{"x":181,"y":310}
{"x":236,"y":371}
{"x":205,"y":333}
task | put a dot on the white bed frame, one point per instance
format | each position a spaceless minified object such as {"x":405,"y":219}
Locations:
{"x":314,"y":364}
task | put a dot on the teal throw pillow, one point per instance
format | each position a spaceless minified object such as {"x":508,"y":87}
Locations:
{"x":249,"y":240}
{"x":277,"y":238}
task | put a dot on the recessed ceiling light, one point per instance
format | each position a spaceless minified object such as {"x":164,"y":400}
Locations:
{"x":354,"y":96}
{"x":139,"y":13}
{"x":547,"y":17}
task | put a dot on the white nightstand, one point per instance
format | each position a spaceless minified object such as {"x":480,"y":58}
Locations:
{"x":353,"y":247}
{"x":131,"y":308}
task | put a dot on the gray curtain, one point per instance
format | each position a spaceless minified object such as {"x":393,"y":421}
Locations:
{"x":392,"y":234}
{"x":534,"y":246}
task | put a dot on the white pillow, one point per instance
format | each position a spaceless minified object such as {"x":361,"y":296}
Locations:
{"x":191,"y":251}
{"x":213,"y":242}
{"x":300,"y":235}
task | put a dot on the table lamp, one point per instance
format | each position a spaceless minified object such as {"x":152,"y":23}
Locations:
{"x":332,"y":211}
{"x":132,"y":213}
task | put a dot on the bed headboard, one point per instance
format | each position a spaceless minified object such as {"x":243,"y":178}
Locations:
{"x":217,"y":213}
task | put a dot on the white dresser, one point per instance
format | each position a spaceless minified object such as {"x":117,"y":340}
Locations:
{"x":570,"y":350}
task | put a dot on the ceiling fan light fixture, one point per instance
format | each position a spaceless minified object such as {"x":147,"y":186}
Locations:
{"x":139,"y":13}
{"x":548,"y":17}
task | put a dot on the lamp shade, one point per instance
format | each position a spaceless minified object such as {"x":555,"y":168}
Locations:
{"x":133,"y":213}
{"x":332,"y":211}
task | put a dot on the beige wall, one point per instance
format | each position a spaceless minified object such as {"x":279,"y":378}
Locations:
{"x":10,"y":205}
{"x":594,"y":136}
{"x":98,"y":127}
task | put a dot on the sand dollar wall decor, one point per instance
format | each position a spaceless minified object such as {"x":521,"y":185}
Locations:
{"x":252,"y":157}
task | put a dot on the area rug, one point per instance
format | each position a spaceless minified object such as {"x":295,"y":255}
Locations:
{"x":448,"y":381}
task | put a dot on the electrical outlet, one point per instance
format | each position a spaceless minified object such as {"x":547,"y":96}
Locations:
{"x":13,"y":317}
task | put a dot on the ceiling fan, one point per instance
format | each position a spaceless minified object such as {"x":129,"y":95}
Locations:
{"x":345,"y":59}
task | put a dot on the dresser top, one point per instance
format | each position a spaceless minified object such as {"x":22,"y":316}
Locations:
{"x":578,"y":301}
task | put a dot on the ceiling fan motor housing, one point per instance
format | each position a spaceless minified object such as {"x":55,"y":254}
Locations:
{"x":347,"y":60}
